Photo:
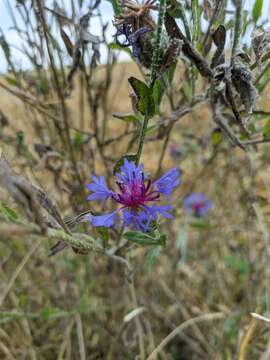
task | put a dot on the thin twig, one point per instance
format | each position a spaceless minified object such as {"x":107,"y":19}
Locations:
{"x":182,"y":327}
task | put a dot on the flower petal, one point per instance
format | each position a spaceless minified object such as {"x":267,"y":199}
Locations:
{"x":106,"y":220}
{"x":137,"y":220}
{"x":130,"y":172}
{"x":162,"y":210}
{"x":133,"y":38}
{"x":99,"y":189}
{"x":168,"y":182}
{"x":197,"y":204}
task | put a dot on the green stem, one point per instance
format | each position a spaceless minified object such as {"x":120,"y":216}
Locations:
{"x":237,"y":28}
{"x":154,"y":70}
{"x":156,"y":56}
{"x":141,"y":138}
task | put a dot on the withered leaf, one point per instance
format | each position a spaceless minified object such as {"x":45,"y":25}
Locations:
{"x":187,"y":48}
{"x":31,"y":198}
{"x":219,"y":38}
{"x":67,"y":42}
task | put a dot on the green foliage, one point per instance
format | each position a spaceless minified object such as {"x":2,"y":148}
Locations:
{"x":257,"y":10}
{"x":151,"y":257}
{"x":145,"y":103}
{"x":216,"y":137}
{"x":12,"y":81}
{"x":231,"y":326}
{"x":201,"y":224}
{"x":115,"y":46}
{"x":79,"y":140}
{"x":116,"y":7}
{"x":266,"y":129}
{"x":129,"y":118}
{"x":187,"y":91}
{"x":146,"y":239}
{"x":8,"y":214}
{"x":196,"y":18}
{"x":237,"y":263}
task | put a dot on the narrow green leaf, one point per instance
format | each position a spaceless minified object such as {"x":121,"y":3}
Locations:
{"x":257,"y":10}
{"x":266,"y":129}
{"x":151,"y":257}
{"x":145,"y":239}
{"x":127,"y":117}
{"x":237,"y":263}
{"x":187,"y":91}
{"x":116,"y":7}
{"x":115,"y":46}
{"x":216,"y":137}
{"x":12,"y":81}
{"x":145,"y":104}
{"x":8,"y":214}
{"x":201,"y":224}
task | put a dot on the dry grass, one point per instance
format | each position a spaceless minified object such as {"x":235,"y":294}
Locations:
{"x":73,"y":307}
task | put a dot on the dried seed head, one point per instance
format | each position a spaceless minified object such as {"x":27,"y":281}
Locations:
{"x":260,"y":40}
{"x":242,"y":81}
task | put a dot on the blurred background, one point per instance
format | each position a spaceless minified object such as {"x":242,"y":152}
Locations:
{"x":67,"y":112}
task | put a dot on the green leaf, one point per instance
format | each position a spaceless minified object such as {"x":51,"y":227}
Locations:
{"x":175,"y":8}
{"x":201,"y":224}
{"x":145,"y":239}
{"x":266,"y":129}
{"x":118,"y":47}
{"x":158,"y":91}
{"x":196,"y":19}
{"x":151,"y":258}
{"x":151,"y":129}
{"x":127,"y":117}
{"x":187,"y":91}
{"x":104,"y":234}
{"x":43,"y":86}
{"x":238,"y":264}
{"x":257,"y":10}
{"x":9,"y":215}
{"x":12,"y":81}
{"x":80,"y":139}
{"x":230,"y":24}
{"x":120,"y":162}
{"x":145,"y":104}
{"x":161,"y":85}
{"x":216,"y":137}
{"x":20,"y":138}
{"x":53,"y":313}
{"x":181,"y":243}
{"x":116,"y":7}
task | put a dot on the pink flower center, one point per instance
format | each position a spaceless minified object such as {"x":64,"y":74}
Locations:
{"x":197,"y":206}
{"x":135,"y":194}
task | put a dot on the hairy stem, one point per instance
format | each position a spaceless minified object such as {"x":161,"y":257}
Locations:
{"x":237,"y":28}
{"x":154,"y":69}
{"x":156,"y":56}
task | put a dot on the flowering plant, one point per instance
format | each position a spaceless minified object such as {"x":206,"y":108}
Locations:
{"x":138,"y":196}
{"x":197,"y":204}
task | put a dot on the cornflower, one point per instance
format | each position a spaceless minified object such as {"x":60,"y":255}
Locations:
{"x":137,"y":196}
{"x":197,"y":204}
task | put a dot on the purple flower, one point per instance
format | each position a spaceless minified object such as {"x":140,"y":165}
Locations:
{"x":197,"y":204}
{"x":99,"y":189}
{"x":137,"y":195}
{"x":131,"y":38}
{"x":175,"y":153}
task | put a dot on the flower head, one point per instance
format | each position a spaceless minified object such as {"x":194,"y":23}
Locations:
{"x":137,"y":196}
{"x":175,"y":152}
{"x":197,"y":204}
